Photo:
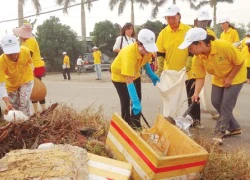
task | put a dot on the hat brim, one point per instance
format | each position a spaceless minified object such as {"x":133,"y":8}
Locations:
{"x":150,"y":47}
{"x":22,"y":33}
{"x":170,"y":14}
{"x":184,"y":45}
{"x":11,"y":49}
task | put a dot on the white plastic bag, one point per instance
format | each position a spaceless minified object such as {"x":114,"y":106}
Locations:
{"x":14,"y":115}
{"x":205,"y":95}
{"x":173,"y":92}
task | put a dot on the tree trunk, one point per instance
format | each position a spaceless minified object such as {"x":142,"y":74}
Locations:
{"x":20,"y":12}
{"x":132,"y":12}
{"x":174,"y":1}
{"x":214,"y":13}
{"x":83,"y":21}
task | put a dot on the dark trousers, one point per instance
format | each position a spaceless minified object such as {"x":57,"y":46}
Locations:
{"x":66,"y":71}
{"x":195,"y":112}
{"x":126,"y":112}
{"x":1,"y":115}
{"x":42,"y":101}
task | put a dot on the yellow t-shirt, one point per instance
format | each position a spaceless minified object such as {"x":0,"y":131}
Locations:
{"x":66,"y":61}
{"x":211,"y":32}
{"x":128,"y":63}
{"x":223,"y":56}
{"x":97,"y":57}
{"x":168,"y":42}
{"x":33,"y":46}
{"x":243,"y":43}
{"x":16,"y":73}
{"x":231,"y":36}
{"x":246,"y":54}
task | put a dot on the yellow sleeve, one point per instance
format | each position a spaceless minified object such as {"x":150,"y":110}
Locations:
{"x":198,"y":70}
{"x":159,"y":42}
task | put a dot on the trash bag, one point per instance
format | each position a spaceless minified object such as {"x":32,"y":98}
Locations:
{"x":173,"y":92}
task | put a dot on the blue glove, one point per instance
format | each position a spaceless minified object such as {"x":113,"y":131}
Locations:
{"x":136,"y":104}
{"x":154,"y":78}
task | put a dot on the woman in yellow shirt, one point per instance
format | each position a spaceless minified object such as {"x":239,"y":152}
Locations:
{"x":246,"y":54}
{"x":229,"y":33}
{"x":25,"y":34}
{"x":226,"y":64}
{"x":125,"y":75}
{"x":16,"y":75}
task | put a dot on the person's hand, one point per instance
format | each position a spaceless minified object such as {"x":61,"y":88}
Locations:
{"x":154,"y":78}
{"x":195,"y":98}
{"x":227,"y":82}
{"x":136,"y":107}
{"x":136,"y":104}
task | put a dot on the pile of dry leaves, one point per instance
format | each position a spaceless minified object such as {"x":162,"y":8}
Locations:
{"x":59,"y":124}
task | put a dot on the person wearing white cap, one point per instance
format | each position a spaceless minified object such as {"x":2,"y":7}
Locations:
{"x":243,"y":42}
{"x":25,"y":35}
{"x":246,"y":54}
{"x":204,"y":21}
{"x":229,"y":33}
{"x":66,"y":66}
{"x":125,"y":75}
{"x":97,"y":55}
{"x":226,"y":64}
{"x":16,"y":75}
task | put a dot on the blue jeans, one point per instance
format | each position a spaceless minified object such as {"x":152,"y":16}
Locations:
{"x":98,"y":71}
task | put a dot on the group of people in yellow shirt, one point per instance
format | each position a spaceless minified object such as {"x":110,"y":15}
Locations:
{"x":18,"y":67}
{"x":176,"y":45}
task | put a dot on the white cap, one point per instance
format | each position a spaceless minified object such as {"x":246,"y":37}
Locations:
{"x":64,"y":52}
{"x":194,"y":34}
{"x":203,"y":15}
{"x":247,"y":41}
{"x":171,"y":10}
{"x":10,"y":44}
{"x":94,"y":47}
{"x":147,"y":38}
{"x":223,"y":20}
{"x":247,"y":33}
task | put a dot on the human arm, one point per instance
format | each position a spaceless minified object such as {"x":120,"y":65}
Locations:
{"x":118,"y":44}
{"x":136,"y":104}
{"x":4,"y":96}
{"x":160,"y":63}
{"x":228,"y":80}
{"x":154,"y":78}
{"x":198,"y":86}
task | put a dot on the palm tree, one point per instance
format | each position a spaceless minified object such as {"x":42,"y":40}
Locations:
{"x":122,"y":4}
{"x":66,"y":3}
{"x":21,"y":4}
{"x":212,"y":3}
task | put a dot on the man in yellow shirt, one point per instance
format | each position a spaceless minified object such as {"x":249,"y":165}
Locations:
{"x":66,"y":66}
{"x":16,"y":75}
{"x":226,"y":64}
{"x":25,"y":35}
{"x":97,"y":62}
{"x":246,"y":54}
{"x":125,"y":75}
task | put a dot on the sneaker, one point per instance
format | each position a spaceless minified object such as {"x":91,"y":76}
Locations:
{"x":199,"y":126}
{"x":233,"y":133}
{"x":215,"y":116}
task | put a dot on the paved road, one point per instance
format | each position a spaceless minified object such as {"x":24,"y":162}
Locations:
{"x":84,"y":91}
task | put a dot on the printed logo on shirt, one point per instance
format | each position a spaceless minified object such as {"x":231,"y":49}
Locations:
{"x":221,"y":59}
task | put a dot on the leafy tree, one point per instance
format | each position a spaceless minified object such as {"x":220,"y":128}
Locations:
{"x":104,"y":36}
{"x":155,"y":26}
{"x":55,"y":38}
{"x":21,"y":4}
{"x":122,"y":4}
{"x":66,"y":3}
